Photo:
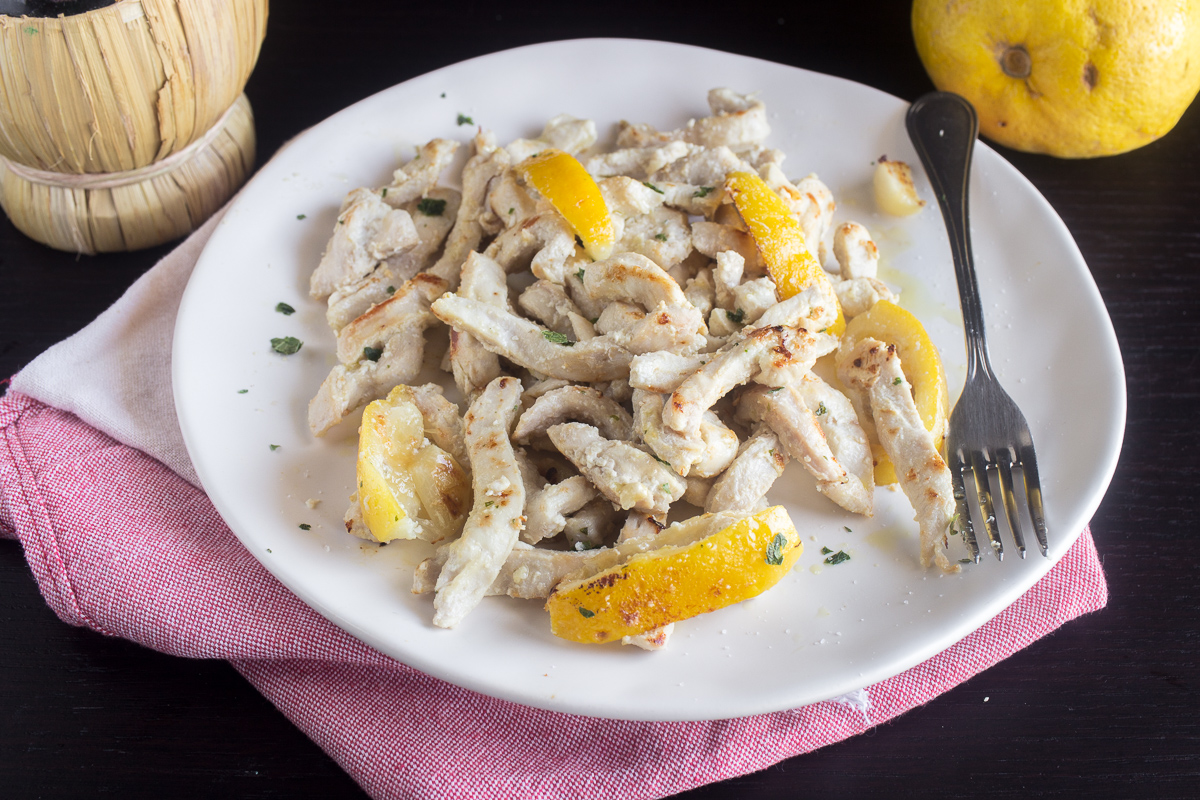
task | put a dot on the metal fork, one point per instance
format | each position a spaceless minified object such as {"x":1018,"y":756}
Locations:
{"x":988,"y":444}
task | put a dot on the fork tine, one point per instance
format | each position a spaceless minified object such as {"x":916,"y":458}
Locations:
{"x":961,"y":509}
{"x":982,"y":465}
{"x":1033,"y":493}
{"x":1004,"y":462}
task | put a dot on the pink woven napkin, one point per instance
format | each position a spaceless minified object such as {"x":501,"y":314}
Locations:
{"x":121,"y":544}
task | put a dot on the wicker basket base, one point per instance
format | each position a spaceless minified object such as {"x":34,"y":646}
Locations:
{"x":137,"y":209}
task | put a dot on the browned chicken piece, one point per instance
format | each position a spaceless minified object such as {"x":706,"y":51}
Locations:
{"x":534,"y":348}
{"x":572,"y":404}
{"x":760,"y":461}
{"x":472,"y":364}
{"x":488,"y":162}
{"x":624,"y":474}
{"x":368,"y":231}
{"x":873,"y":370}
{"x":474,"y":559}
{"x":351,"y":301}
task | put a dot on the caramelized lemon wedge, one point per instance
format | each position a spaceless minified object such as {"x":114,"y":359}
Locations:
{"x":922,"y":365}
{"x":669,"y":584}
{"x":562,"y":180}
{"x":407,"y":487}
{"x":779,"y":238}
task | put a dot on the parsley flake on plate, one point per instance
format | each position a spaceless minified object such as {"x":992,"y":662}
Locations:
{"x":287,"y":345}
{"x":285,"y":309}
{"x":837,"y":558}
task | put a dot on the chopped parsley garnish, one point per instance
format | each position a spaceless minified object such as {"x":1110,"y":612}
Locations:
{"x":821,"y":409}
{"x":391,"y":290}
{"x":659,"y":460}
{"x":775,"y":550}
{"x":579,"y":240}
{"x":431,"y":207}
{"x":242,"y":391}
{"x":583,"y":531}
{"x":846,"y":528}
{"x":304,"y":526}
{"x":274,"y":447}
{"x":774,"y":390}
{"x":511,"y":210}
{"x":372,"y":353}
{"x":586,"y":614}
{"x":285,"y":309}
{"x":651,"y":186}
{"x":898,"y":381}
{"x":488,"y":504}
{"x":302,"y":216}
{"x":662,"y":237}
{"x":443,"y":94}
{"x":463,"y":119}
{"x":557,"y":338}
{"x":666,"y":487}
{"x":383,"y":192}
{"x":580,"y":275}
{"x":837,"y":558}
{"x":736,"y":316}
{"x":286,"y":345}
{"x":825,"y":551}
{"x":703,"y":191}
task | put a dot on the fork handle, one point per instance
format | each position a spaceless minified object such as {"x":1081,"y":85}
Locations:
{"x":943,"y":127}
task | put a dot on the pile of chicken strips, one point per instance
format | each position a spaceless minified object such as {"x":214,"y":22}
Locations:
{"x":628,"y":330}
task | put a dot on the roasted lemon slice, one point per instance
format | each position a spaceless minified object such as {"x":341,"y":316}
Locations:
{"x":669,"y":584}
{"x":562,"y":180}
{"x":779,"y":238}
{"x":922,"y":365}
{"x":407,"y":488}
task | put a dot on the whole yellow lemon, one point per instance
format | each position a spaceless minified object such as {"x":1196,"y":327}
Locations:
{"x":1070,"y":78}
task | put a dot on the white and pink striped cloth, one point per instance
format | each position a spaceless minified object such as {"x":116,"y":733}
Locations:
{"x":120,"y":543}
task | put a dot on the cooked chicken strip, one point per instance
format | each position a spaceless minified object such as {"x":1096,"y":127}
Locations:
{"x":414,"y":180}
{"x":701,"y":292}
{"x":752,"y":298}
{"x":530,"y":572}
{"x":773,"y":351}
{"x":543,"y":242}
{"x":697,"y":490}
{"x":629,"y":197}
{"x":759,"y":463}
{"x":738,"y":120}
{"x":351,"y":301}
{"x":474,"y":559}
{"x":662,"y":235}
{"x":548,"y":303}
{"x":572,"y":404}
{"x":727,"y":276}
{"x":858,"y":295}
{"x":653,"y":639}
{"x":618,"y":316}
{"x":673,"y":329}
{"x":443,"y":425}
{"x":348,"y":386}
{"x":824,"y":437}
{"x":526,"y":344}
{"x":873,"y":369}
{"x":625,"y":475}
{"x":815,"y":309}
{"x":488,"y":162}
{"x":509,"y":201}
{"x":376,"y":325}
{"x":856,"y":254}
{"x":638,"y":162}
{"x":564,"y":132}
{"x":368,"y":230}
{"x":702,"y":167}
{"x":712,"y":238}
{"x":592,"y":526}
{"x":662,"y":372}
{"x":703,"y":454}
{"x":639,"y":524}
{"x":546,"y":511}
{"x":472,"y":364}
{"x":633,"y":278}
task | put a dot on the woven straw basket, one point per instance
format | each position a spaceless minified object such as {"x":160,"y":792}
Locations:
{"x":126,"y":126}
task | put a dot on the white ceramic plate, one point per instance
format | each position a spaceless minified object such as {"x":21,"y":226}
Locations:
{"x":822,"y":631}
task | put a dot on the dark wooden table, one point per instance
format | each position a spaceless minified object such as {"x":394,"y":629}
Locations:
{"x":1107,"y":707}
